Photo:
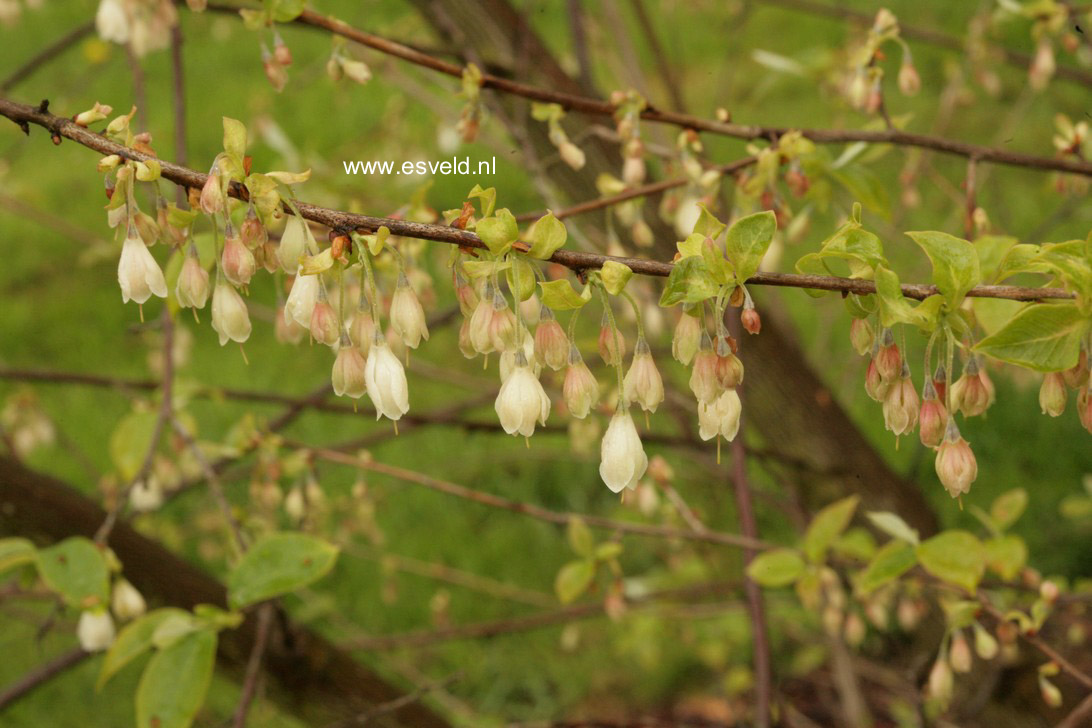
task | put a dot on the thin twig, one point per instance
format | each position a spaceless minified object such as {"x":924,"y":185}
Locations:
{"x":213,"y":479}
{"x":254,"y":665}
{"x":1079,"y":716}
{"x":178,"y":89}
{"x":40,"y":675}
{"x":46,"y":55}
{"x":1038,"y":643}
{"x":393,"y":706}
{"x":573,"y":259}
{"x":667,"y":72}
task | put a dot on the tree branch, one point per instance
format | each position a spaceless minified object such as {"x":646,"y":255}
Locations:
{"x":41,"y":675}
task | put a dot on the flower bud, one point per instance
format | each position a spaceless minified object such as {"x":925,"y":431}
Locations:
{"x":237,"y":261}
{"x":324,"y":326}
{"x":348,"y":374}
{"x":703,"y":377}
{"x":580,"y":389}
{"x":1077,"y":376}
{"x":407,"y":316}
{"x":466,"y":346}
{"x":984,"y":643}
{"x":302,"y":299}
{"x":721,"y":417}
{"x":95,"y":630}
{"x":940,"y":381}
{"x":1043,"y":65}
{"x":1052,"y":696}
{"x":572,"y":155}
{"x":1049,"y":591}
{"x":729,"y":367}
{"x":96,"y":113}
{"x":286,"y":329}
{"x":212,"y":193}
{"x":126,"y":601}
{"x":860,"y":336}
{"x":633,"y":171}
{"x":385,"y":379}
{"x":933,"y":416}
{"x":252,"y":232}
{"x":642,"y":383}
{"x":909,"y":80}
{"x":522,"y":401}
{"x":752,"y":322}
{"x":112,"y":21}
{"x":941,"y":682}
{"x":362,"y":330}
{"x":138,"y":274}
{"x":888,"y":359}
{"x":622,"y":456}
{"x":229,"y":314}
{"x":971,"y":394}
{"x":355,"y":70}
{"x":192,"y":288}
{"x":642,"y":234}
{"x":274,"y":71}
{"x":874,"y":384}
{"x":293,"y":243}
{"x":959,"y":656}
{"x":1084,"y":407}
{"x":281,"y":53}
{"x":1052,"y":394}
{"x":900,"y":405}
{"x":551,"y":343}
{"x":465,"y":295}
{"x":612,"y":344}
{"x":687,"y":339}
{"x":955,"y":463}
{"x":481,"y":322}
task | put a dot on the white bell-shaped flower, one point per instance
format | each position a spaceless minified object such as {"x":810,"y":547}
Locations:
{"x":348,"y":374}
{"x":126,"y":601}
{"x":138,"y":274}
{"x":407,"y":314}
{"x":112,"y":22}
{"x":720,"y":417}
{"x":622,"y":457}
{"x":229,"y":315}
{"x":95,"y":630}
{"x":643,"y":383}
{"x":522,"y":401}
{"x":385,"y":379}
{"x":302,"y":299}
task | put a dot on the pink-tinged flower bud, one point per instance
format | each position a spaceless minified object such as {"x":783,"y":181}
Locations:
{"x":729,"y":367}
{"x":933,"y":416}
{"x":212,"y":193}
{"x":985,"y":646}
{"x":1077,"y":376}
{"x":126,"y":601}
{"x":324,"y":327}
{"x":465,"y":295}
{"x":854,"y":630}
{"x":581,"y":389}
{"x":571,"y":154}
{"x":407,"y":316}
{"x":971,"y":394}
{"x":956,"y":465}
{"x":1050,"y":693}
{"x":642,"y":234}
{"x":1043,"y":65}
{"x":687,"y":339}
{"x":720,"y":417}
{"x":229,"y":315}
{"x":281,"y":52}
{"x":252,"y":232}
{"x":860,"y":336}
{"x":348,"y":374}
{"x":481,"y":322}
{"x":940,"y":382}
{"x":192,"y":288}
{"x":633,"y":171}
{"x":138,"y":274}
{"x":874,"y":384}
{"x":959,"y":655}
{"x":900,"y":405}
{"x":1084,"y":407}
{"x":622,"y":456}
{"x":703,"y":377}
{"x":1052,"y":394}
{"x":752,"y":322}
{"x":941,"y":682}
{"x":466,"y":346}
{"x":642,"y":383}
{"x":97,"y":113}
{"x":238,"y":262}
{"x":274,"y":71}
{"x":612,"y":344}
{"x":909,"y":80}
{"x":888,"y":358}
{"x":551,"y":343}
{"x":355,"y":70}
{"x":1049,"y":591}
{"x":522,"y":402}
{"x":286,"y":329}
{"x":95,"y":630}
{"x":502,"y":324}
{"x":362,"y":330}
{"x":385,"y":378}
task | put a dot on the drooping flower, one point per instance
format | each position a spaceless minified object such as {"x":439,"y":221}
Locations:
{"x":1077,"y":375}
{"x":622,"y":457}
{"x":325,"y":327}
{"x":751,"y":321}
{"x":126,"y":601}
{"x":237,"y":261}
{"x":522,"y":401}
{"x":293,"y":243}
{"x":138,"y":274}
{"x":362,"y":330}
{"x":286,"y":329}
{"x":229,"y":314}
{"x":959,"y":654}
{"x":192,"y":289}
{"x":302,"y":298}
{"x":347,"y":377}
{"x":703,"y":377}
{"x":252,"y":232}
{"x":407,"y":315}
{"x":493,"y":325}
{"x":642,"y":383}
{"x":1052,"y":394}
{"x":720,"y":417}
{"x":956,"y":465}
{"x":612,"y":344}
{"x":933,"y":416}
{"x":900,"y":405}
{"x":212,"y":193}
{"x":551,"y":343}
{"x":1084,"y":407}
{"x":95,"y":630}
{"x":729,"y":366}
{"x":112,"y":22}
{"x":972,"y":393}
{"x":581,"y":389}
{"x":888,"y":359}
{"x":687,"y":339}
{"x":385,"y":379}
{"x":860,"y":336}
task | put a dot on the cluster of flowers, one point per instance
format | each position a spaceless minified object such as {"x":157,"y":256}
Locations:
{"x":96,"y":630}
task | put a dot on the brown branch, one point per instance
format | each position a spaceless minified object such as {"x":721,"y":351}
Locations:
{"x":528,"y":509}
{"x":573,"y":259}
{"x":407,"y":699}
{"x":1038,"y":643}
{"x":254,"y":665}
{"x":667,"y":72}
{"x":599,"y":107}
{"x":178,"y":91}
{"x":1080,"y":715}
{"x":41,"y":675}
{"x":46,"y":55}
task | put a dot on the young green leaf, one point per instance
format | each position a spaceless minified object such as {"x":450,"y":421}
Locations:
{"x":893,"y":525}
{"x":235,"y":140}
{"x":580,"y":537}
{"x":892,"y":560}
{"x":1045,"y":337}
{"x":955,"y":264}
{"x":130,"y":441}
{"x":777,"y":567}
{"x":560,"y":295}
{"x":954,"y":556}
{"x":708,"y":226}
{"x":546,"y":235}
{"x":1006,"y":555}
{"x":896,"y":309}
{"x":1008,"y":507}
{"x":498,"y":232}
{"x":173,"y":686}
{"x":573,"y":579}
{"x":15,"y":552}
{"x":487,"y":196}
{"x":132,"y":641}
{"x":827,"y":526}
{"x":747,"y":241}
{"x":689,"y":282}
{"x":277,"y":564}
{"x":615,"y":276}
{"x":521,"y":278}
{"x":76,"y":569}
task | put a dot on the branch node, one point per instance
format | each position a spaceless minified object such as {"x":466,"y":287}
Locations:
{"x":43,"y":107}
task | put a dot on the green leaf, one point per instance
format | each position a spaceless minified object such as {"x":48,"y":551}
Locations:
{"x":1045,"y":337}
{"x":608,"y":550}
{"x":580,"y":537}
{"x":521,"y":278}
{"x":708,"y":226}
{"x":264,"y":195}
{"x":893,"y":525}
{"x":1008,"y":507}
{"x":896,"y":309}
{"x":1006,"y":555}
{"x":864,"y":185}
{"x":777,"y":567}
{"x":892,"y":560}
{"x":285,"y":11}
{"x":689,"y":282}
{"x":1020,"y":258}
{"x":1069,"y":261}
{"x":235,"y":140}
{"x":179,"y":218}
{"x":692,"y":246}
{"x":615,"y":276}
{"x":546,"y":235}
{"x":130,"y":442}
{"x":856,"y":543}
{"x":277,"y":564}
{"x":498,"y":232}
{"x":76,"y":569}
{"x":954,"y":556}
{"x":377,"y":241}
{"x":827,"y":526}
{"x":132,"y":641}
{"x":488,"y":198}
{"x":955,"y":264}
{"x":173,"y":686}
{"x":173,"y":628}
{"x":573,"y":579}
{"x":15,"y":552}
{"x":992,"y":250}
{"x":747,"y":241}
{"x":560,"y":295}
{"x":860,"y":249}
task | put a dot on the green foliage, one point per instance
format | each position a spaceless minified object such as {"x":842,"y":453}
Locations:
{"x":175,"y":682}
{"x":277,"y":564}
{"x":776,"y":567}
{"x":560,"y":295}
{"x":1045,"y":337}
{"x":615,"y":276}
{"x":134,"y":640}
{"x":546,"y":236}
{"x":76,"y":569}
{"x":893,"y":560}
{"x":954,"y":556}
{"x":955,"y":264}
{"x":130,"y":441}
{"x":16,"y":552}
{"x":827,"y":526}
{"x":498,"y":232}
